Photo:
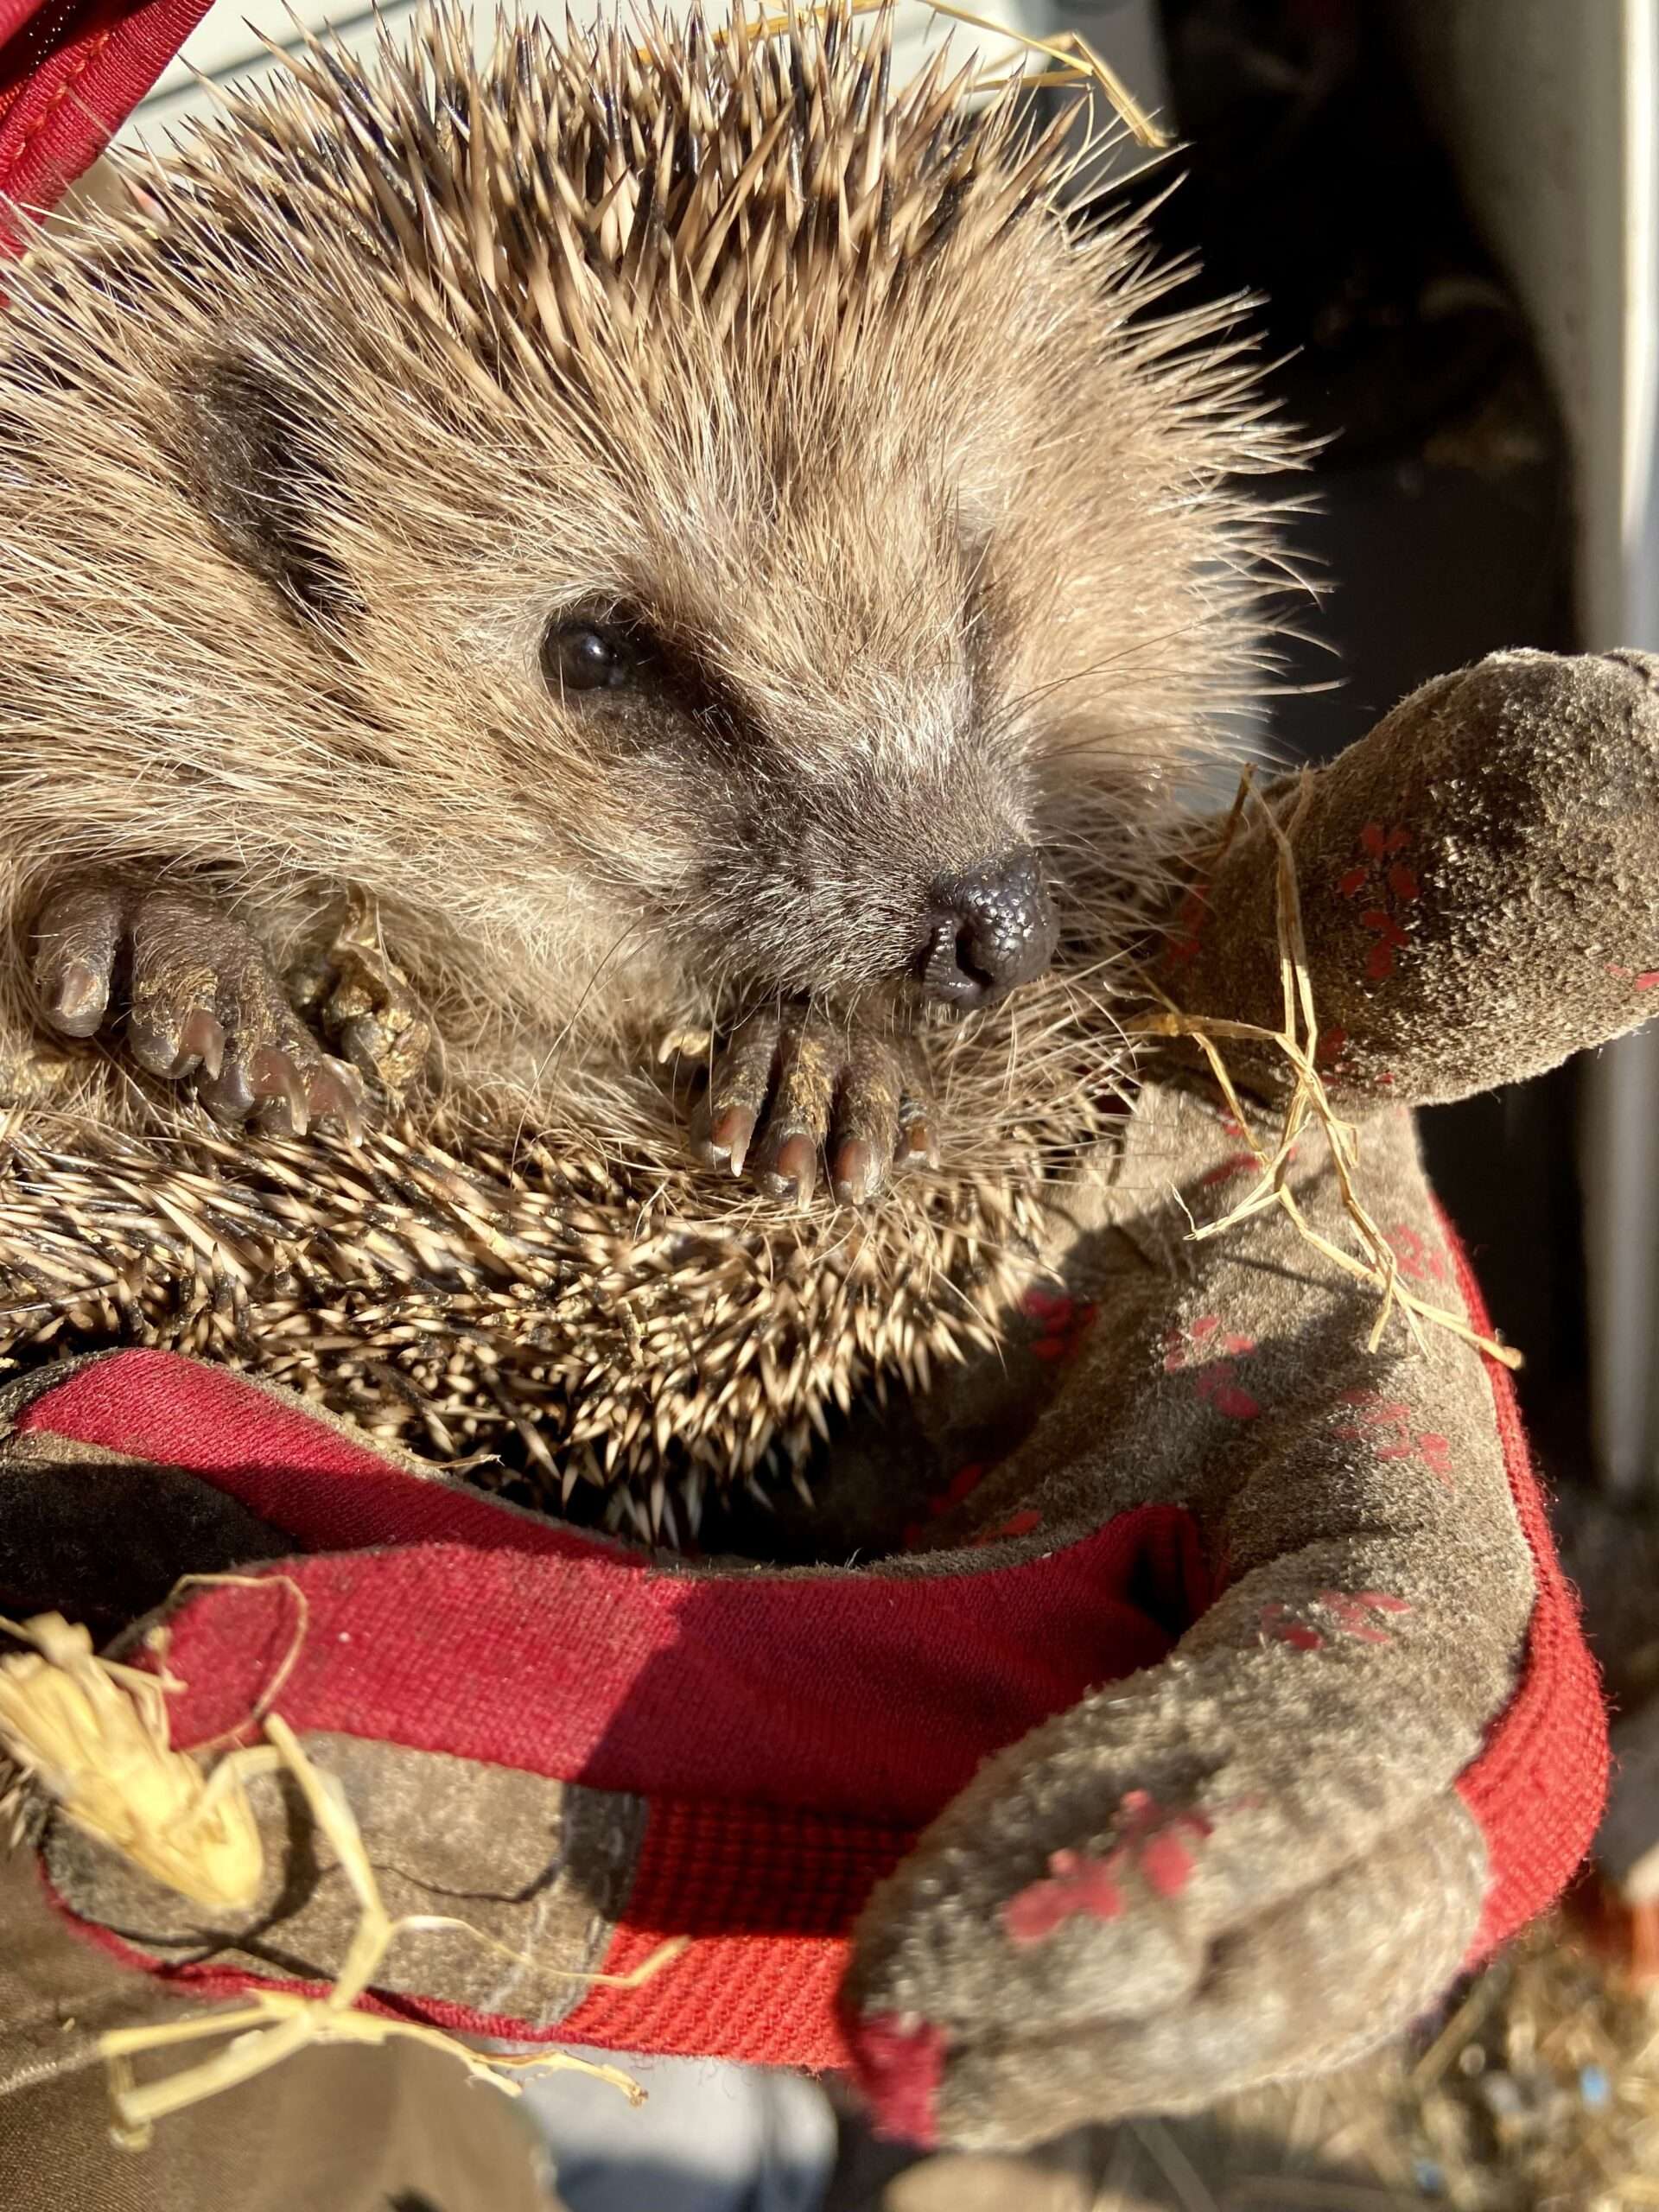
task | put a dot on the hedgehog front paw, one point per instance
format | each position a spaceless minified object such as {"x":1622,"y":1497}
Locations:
{"x":198,"y":999}
{"x":793,"y":1090}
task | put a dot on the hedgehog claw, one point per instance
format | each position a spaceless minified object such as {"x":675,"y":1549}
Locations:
{"x":793,"y":1173}
{"x":74,"y":948}
{"x":172,"y":1049}
{"x":737,"y":1093}
{"x":200,"y":1000}
{"x":729,"y":1138}
{"x":918,"y":1146}
{"x":817,"y":1095}
{"x":278,"y":1079}
{"x":82,"y":994}
{"x":855,"y":1176}
{"x":228,"y":1097}
{"x":337,"y":1091}
{"x":203,"y":1041}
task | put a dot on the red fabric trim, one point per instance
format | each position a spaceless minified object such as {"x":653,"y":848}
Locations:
{"x":900,"y":2068}
{"x":494,"y":1635}
{"x":329,"y":1491}
{"x":771,"y":1905}
{"x":71,"y":73}
{"x":1537,"y":1788}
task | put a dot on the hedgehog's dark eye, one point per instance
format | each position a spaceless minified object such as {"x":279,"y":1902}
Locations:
{"x":587,"y":656}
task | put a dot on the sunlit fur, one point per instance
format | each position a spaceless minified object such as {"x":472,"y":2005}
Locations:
{"x":805,"y":372}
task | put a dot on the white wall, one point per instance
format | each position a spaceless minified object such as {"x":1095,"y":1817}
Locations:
{"x":1552,"y":108}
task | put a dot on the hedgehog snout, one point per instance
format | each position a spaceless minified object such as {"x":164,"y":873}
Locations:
{"x":994,"y":929}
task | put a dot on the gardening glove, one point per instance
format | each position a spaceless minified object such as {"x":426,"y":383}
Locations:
{"x":1199,"y":1740}
{"x":1261,"y":1856}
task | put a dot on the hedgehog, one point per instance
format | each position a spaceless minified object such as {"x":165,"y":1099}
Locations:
{"x":608,"y":642}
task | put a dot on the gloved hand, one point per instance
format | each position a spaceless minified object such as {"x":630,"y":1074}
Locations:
{"x":1198,"y":1741}
{"x":1263,"y":1855}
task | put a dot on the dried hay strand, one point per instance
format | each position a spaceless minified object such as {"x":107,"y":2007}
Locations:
{"x":1309,"y":1103}
{"x":1074,"y":62}
{"x":277,"y":2023}
{"x":90,"y":1735}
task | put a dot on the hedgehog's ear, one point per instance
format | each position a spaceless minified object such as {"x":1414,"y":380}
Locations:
{"x":260,"y":474}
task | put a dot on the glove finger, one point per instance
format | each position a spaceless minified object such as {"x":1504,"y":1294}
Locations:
{"x":1311,"y":1985}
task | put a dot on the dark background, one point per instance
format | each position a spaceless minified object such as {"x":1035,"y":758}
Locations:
{"x":1442,"y":521}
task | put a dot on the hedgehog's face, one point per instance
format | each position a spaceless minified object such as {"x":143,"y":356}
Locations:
{"x":825,"y":675}
{"x":751,"y":699}
{"x":798,"y":777}
{"x":769,"y":659}
{"x":788,"y":673}
{"x":742,"y":710}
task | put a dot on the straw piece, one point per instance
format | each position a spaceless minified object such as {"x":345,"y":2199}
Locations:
{"x":93,"y":1735}
{"x":1310,"y":1101}
{"x":277,"y":2023}
{"x":1076,"y":62}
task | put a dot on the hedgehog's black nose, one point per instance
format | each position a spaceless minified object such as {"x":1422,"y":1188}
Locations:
{"x":993,"y":928}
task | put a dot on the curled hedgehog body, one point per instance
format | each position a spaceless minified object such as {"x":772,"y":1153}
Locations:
{"x":635,"y":521}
